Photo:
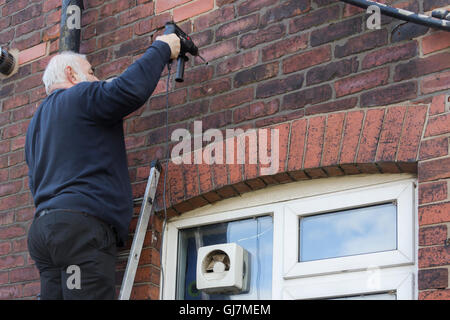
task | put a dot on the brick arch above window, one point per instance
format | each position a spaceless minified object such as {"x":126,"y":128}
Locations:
{"x":373,"y":140}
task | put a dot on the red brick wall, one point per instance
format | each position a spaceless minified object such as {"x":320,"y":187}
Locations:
{"x":307,"y":67}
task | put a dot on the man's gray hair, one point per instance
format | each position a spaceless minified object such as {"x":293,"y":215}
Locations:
{"x":54,"y":72}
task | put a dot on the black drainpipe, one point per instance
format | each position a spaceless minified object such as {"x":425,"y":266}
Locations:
{"x":70,"y":32}
{"x":436,"y":21}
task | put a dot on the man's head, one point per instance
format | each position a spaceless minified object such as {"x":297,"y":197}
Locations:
{"x":66,"y":70}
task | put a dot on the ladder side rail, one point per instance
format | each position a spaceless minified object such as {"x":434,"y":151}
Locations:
{"x":141,"y":229}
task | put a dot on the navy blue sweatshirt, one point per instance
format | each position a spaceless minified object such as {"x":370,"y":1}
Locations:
{"x":75,"y":147}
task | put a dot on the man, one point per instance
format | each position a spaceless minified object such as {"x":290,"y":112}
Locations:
{"x":78,"y":171}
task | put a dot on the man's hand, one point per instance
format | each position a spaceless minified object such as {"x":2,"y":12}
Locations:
{"x":174,"y":43}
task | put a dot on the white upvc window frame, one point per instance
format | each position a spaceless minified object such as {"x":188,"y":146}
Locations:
{"x":401,"y":193}
{"x":371,"y":281}
{"x":390,"y":271}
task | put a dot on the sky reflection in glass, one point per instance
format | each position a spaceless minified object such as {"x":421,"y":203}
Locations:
{"x":348,"y":232}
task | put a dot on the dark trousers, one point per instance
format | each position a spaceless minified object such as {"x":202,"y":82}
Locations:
{"x":75,"y":254}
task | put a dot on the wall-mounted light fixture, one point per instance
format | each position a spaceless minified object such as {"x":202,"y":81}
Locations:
{"x":9,"y":62}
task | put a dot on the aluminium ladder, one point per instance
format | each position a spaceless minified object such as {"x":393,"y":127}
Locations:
{"x":141,"y":229}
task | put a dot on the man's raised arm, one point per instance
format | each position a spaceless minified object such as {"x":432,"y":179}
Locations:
{"x":110,"y":101}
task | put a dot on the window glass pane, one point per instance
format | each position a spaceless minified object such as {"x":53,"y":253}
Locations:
{"x":255,"y":235}
{"x":348,"y":232}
